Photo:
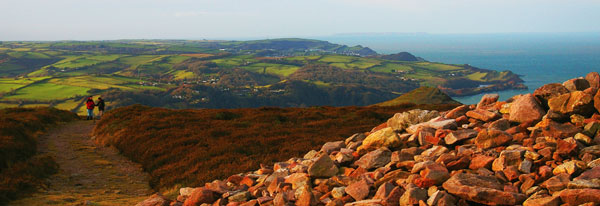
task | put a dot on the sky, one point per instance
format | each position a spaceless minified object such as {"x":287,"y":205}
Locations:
{"x":243,"y":19}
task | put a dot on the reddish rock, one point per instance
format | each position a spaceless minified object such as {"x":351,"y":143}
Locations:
{"x":200,"y":196}
{"x":554,"y":129}
{"x":564,"y":147}
{"x":488,"y":101}
{"x":155,"y":200}
{"x":375,"y":159}
{"x":481,"y":161}
{"x":330,"y":147}
{"x":457,"y":112}
{"x":306,"y":197}
{"x":358,"y":190}
{"x":393,"y":198}
{"x":248,"y":181}
{"x":483,"y":115}
{"x":590,"y":174}
{"x":461,"y":163}
{"x":576,"y":102}
{"x":492,"y":138}
{"x":542,"y":201}
{"x":511,"y":173}
{"x":501,"y":124}
{"x":481,"y":189}
{"x":459,"y":135}
{"x":593,"y":79}
{"x":384,"y":190}
{"x":508,"y":158}
{"x":578,"y":84}
{"x":580,"y":196}
{"x":556,"y":183}
{"x":548,"y":91}
{"x":298,"y":180}
{"x":413,"y":195}
{"x":597,"y":101}
{"x":526,"y":109}
{"x":435,"y":173}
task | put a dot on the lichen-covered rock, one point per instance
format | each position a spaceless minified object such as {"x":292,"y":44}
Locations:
{"x":548,"y":91}
{"x":576,"y":102}
{"x":401,"y":121}
{"x":383,"y":138}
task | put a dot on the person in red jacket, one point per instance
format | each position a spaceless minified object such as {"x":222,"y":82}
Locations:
{"x":90,"y":108}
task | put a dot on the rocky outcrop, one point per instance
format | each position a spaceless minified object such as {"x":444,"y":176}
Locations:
{"x":519,"y":152}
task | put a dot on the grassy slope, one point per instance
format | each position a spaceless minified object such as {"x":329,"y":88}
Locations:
{"x":21,"y":170}
{"x":191,"y":147}
{"x":421,"y":95}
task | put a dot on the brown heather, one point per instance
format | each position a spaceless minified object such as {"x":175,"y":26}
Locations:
{"x":21,"y":170}
{"x":191,"y":147}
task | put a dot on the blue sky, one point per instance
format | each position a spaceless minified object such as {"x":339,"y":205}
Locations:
{"x":237,"y":19}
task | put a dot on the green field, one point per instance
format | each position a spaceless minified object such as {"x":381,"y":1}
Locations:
{"x":60,"y":73}
{"x":47,"y":91}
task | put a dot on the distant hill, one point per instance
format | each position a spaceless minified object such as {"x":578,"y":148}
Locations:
{"x":402,"y":56}
{"x":421,"y":95}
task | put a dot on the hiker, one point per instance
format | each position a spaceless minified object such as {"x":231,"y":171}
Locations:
{"x":90,"y":108}
{"x":100,"y":105}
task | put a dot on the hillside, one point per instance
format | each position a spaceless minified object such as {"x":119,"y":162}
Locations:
{"x":204,"y":74}
{"x":533,"y":149}
{"x":421,"y":95}
{"x":22,"y":169}
{"x":191,"y":147}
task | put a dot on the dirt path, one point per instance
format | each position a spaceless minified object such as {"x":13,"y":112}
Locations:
{"x":89,"y":174}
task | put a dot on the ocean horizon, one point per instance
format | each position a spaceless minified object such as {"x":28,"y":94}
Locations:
{"x":539,"y":58}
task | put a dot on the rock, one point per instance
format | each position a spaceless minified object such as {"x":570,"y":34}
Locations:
{"x":383,"y":138}
{"x":434,"y":173}
{"x":578,"y":84}
{"x":576,"y":102}
{"x":332,"y":146}
{"x":551,"y":128}
{"x":526,"y":109}
{"x":375,"y":159}
{"x":155,"y":200}
{"x":401,"y":121}
{"x":483,"y":115}
{"x":481,"y":161}
{"x":413,"y":195}
{"x":488,"y":101}
{"x":542,"y":201}
{"x":311,"y":154}
{"x":548,"y":91}
{"x":338,"y":192}
{"x":591,"y":129}
{"x":593,"y":79}
{"x":431,"y":153}
{"x":582,"y":184}
{"x":323,"y":167}
{"x":597,"y":101}
{"x":306,"y":197}
{"x":570,"y":167}
{"x":384,"y":190}
{"x":492,"y":138}
{"x":200,"y":196}
{"x":186,"y":191}
{"x":298,"y":180}
{"x":358,"y":190}
{"x":501,"y":124}
{"x":580,"y":196}
{"x":556,"y":183}
{"x":239,"y":197}
{"x":508,"y":158}
{"x":481,"y":189}
{"x":583,"y":138}
{"x":525,"y":166}
{"x":459,"y":135}
{"x":375,"y":202}
{"x":358,"y":137}
{"x":457,"y":112}
{"x":594,"y":163}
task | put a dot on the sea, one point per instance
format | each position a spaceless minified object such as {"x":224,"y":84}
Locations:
{"x":539,"y":58}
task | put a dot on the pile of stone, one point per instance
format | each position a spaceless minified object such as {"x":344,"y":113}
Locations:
{"x":534,"y":149}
